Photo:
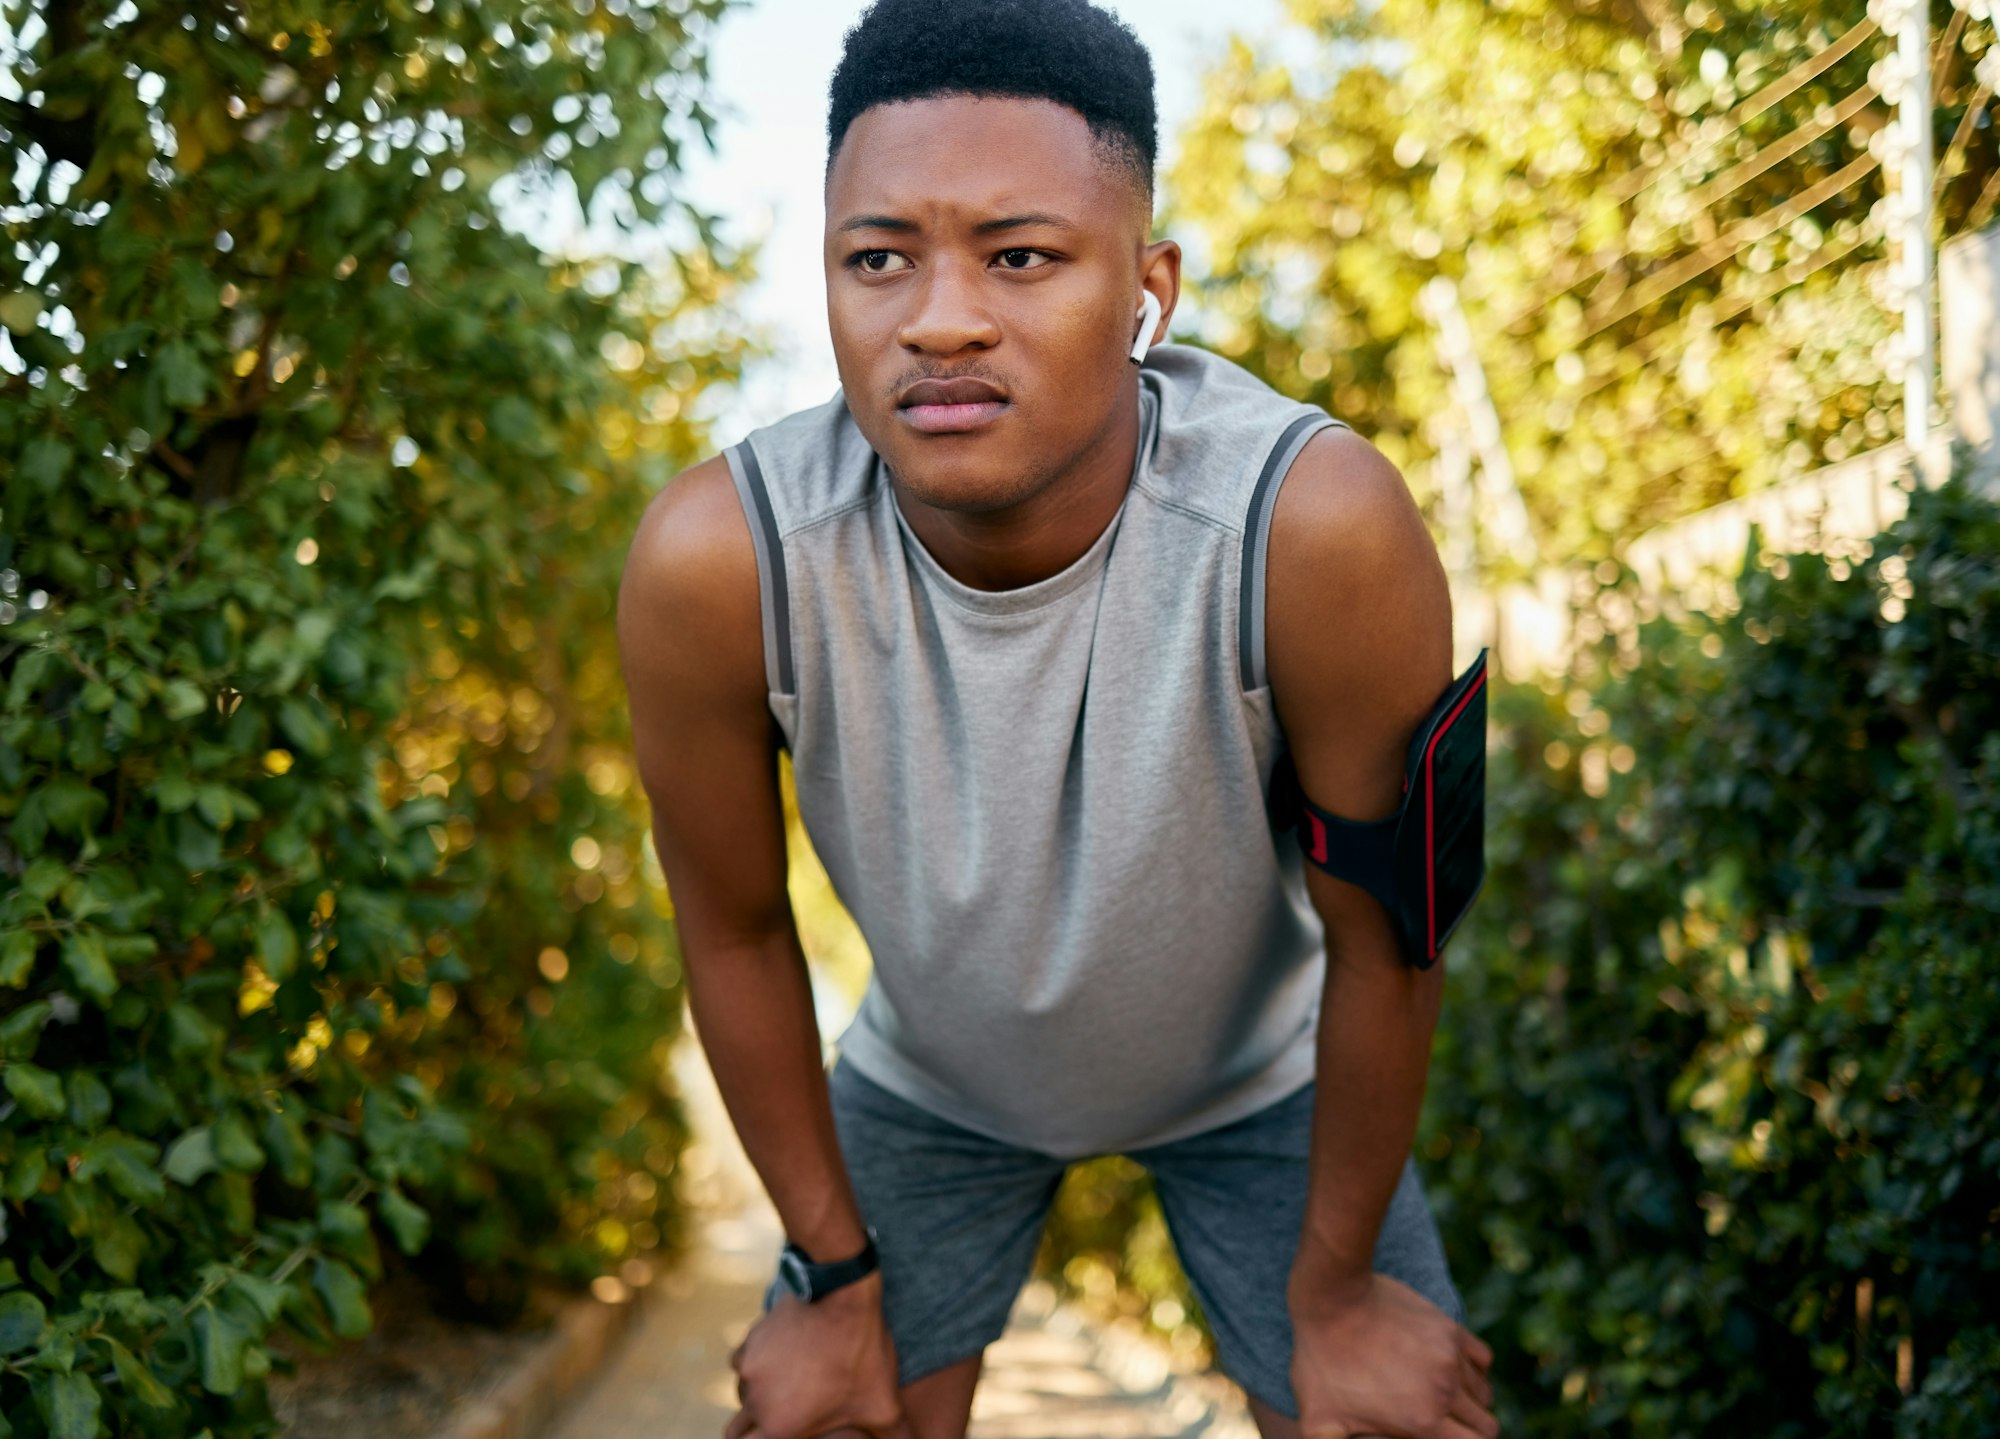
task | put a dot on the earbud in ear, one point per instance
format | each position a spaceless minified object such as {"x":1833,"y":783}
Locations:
{"x":1149,"y":321}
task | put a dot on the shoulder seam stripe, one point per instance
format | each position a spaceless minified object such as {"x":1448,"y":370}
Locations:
{"x":770,"y":547}
{"x":1256,"y":536}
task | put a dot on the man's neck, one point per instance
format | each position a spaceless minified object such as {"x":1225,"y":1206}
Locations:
{"x":1044,"y":534}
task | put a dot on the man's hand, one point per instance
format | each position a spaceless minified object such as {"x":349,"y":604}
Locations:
{"x":1383,"y":1360}
{"x":811,"y":1370}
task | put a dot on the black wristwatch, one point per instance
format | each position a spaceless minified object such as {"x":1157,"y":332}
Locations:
{"x":810,"y":1281}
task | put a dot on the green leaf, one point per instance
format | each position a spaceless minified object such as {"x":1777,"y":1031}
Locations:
{"x":173,"y":791}
{"x":17,"y":958}
{"x":344,"y":1227}
{"x":44,"y":879}
{"x":117,"y":1244}
{"x":19,"y":310}
{"x":406,"y":1219}
{"x":211,"y":802}
{"x":220,"y":1337}
{"x":234,"y":1146}
{"x":345,"y":1296}
{"x":196,"y":846}
{"x":191,"y":1156}
{"x":182,"y":700}
{"x":285,"y":1138}
{"x":189,"y":1034}
{"x":138,"y":1378}
{"x":69,"y":1405}
{"x":24,"y":1176}
{"x":126,"y":1162}
{"x":22,"y":1318}
{"x":21,"y":1031}
{"x":265,"y":1295}
{"x":302,"y":724}
{"x":72,"y":804}
{"x":44,"y":461}
{"x":183,"y":378}
{"x":89,"y":1100}
{"x":35,"y":1089}
{"x":277,"y":944}
{"x":84,"y":958}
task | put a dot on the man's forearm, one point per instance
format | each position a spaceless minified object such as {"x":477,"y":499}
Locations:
{"x":753,"y":1010}
{"x":1376,"y":1021}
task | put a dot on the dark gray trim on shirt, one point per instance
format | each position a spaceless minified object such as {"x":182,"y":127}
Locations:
{"x":776,"y":604}
{"x":1257,"y":541}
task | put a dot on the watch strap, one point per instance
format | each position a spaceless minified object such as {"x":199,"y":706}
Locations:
{"x":823,"y":1279}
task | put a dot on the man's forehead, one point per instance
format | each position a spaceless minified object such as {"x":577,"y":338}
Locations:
{"x":973,"y":159}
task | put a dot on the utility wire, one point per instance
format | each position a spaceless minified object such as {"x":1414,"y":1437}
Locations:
{"x":1652,"y":348}
{"x":1637,"y":183}
{"x":1738,"y":238}
{"x":1987,"y":73}
{"x":1736,"y":177}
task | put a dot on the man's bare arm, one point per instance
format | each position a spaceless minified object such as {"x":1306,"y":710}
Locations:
{"x":690,"y":635}
{"x":1358,"y":634}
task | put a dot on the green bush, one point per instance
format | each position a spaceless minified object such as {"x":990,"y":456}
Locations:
{"x":1711,"y":1132}
{"x":1711,"y":1126}
{"x":327,"y":918}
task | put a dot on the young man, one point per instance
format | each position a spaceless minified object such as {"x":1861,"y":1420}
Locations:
{"x":1036,"y":624}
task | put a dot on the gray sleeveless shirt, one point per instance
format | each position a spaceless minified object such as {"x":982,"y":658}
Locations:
{"x":1045,"y":806}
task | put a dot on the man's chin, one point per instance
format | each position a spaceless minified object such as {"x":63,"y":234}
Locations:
{"x":961,"y":480}
{"x":962,"y":494}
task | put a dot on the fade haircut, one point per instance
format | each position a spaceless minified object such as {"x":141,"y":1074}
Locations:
{"x":1068,"y":51}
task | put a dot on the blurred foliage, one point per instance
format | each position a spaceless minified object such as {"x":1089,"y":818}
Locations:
{"x":327,"y":915}
{"x":1676,"y":287}
{"x":1710,"y":1132}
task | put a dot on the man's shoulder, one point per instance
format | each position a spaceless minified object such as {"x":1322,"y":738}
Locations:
{"x":692,"y":550}
{"x":1345,"y":503}
{"x":808,"y":465}
{"x":1220,"y":433}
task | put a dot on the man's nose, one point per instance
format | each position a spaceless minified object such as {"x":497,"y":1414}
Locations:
{"x":947,"y":313}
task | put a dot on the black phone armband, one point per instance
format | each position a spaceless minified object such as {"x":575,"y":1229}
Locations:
{"x":1426,"y":862}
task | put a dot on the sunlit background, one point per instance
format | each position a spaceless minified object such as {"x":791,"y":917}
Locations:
{"x":342,"y":346}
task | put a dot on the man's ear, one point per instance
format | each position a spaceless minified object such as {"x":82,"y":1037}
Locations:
{"x":1160,"y":277}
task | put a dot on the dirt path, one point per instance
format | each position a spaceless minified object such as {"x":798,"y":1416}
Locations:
{"x":1054,"y":1375}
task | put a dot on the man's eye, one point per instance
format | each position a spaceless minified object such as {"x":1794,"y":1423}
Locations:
{"x":1023,"y":259}
{"x":878,"y":262}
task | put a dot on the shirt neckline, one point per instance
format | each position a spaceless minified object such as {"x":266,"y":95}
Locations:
{"x":1023,"y":598}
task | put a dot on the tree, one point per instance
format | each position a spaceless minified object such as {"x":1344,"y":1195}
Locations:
{"x":327,"y":912}
{"x":1671,"y":263}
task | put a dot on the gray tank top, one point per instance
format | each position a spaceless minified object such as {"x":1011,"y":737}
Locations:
{"x":1045,"y":806}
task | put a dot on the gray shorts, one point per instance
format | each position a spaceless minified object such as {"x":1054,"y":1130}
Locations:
{"x":958,"y":1217}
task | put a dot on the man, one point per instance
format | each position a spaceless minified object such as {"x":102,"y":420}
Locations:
{"x":1036,"y":624}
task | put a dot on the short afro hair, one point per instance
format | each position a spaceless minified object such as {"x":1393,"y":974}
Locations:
{"x":1068,"y":51}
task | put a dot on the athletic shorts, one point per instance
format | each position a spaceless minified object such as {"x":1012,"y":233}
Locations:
{"x":958,"y":1217}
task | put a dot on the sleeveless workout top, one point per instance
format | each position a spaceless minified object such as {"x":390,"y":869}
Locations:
{"x":1045,"y":806}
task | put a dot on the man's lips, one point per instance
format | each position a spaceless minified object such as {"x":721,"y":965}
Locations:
{"x":945,"y":407}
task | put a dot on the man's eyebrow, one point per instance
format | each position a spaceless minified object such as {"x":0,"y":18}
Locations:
{"x":1020,"y":222}
{"x":984,"y":227}
{"x":876,"y":222}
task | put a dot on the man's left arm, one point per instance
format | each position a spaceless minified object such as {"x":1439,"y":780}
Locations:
{"x":1358,"y":644}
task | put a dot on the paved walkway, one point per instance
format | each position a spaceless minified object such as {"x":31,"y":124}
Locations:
{"x":1054,"y":1375}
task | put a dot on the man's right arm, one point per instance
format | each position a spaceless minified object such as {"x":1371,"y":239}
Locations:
{"x":691,"y":639}
{"x":690,"y":633}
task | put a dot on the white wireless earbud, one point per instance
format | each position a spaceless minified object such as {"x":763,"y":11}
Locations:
{"x":1149,"y":311}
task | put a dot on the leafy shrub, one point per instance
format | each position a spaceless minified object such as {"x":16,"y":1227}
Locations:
{"x":1710,"y":1131}
{"x":1709,"y":1122}
{"x":326,"y":914}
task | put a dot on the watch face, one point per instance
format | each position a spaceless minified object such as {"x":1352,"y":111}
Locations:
{"x":792,"y":1274}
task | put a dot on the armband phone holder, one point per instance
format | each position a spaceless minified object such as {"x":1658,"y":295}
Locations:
{"x":1426,"y":862}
